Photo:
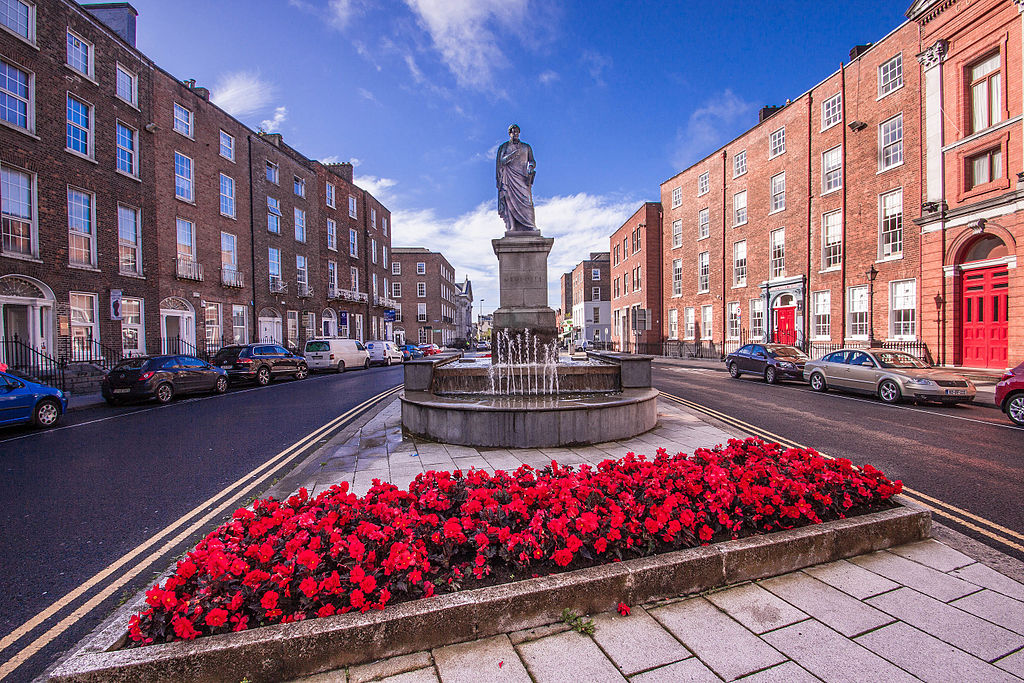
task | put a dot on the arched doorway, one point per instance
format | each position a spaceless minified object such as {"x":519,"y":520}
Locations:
{"x":177,"y":326}
{"x":26,"y":312}
{"x":784,"y":319}
{"x":984,"y":296}
{"x":270,"y":326}
{"x":329,"y":323}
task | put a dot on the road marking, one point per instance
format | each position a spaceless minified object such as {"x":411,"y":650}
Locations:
{"x":914,"y":495}
{"x":273,"y":464}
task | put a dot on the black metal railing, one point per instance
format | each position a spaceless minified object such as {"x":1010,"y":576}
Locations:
{"x":24,"y":360}
{"x":87,"y":350}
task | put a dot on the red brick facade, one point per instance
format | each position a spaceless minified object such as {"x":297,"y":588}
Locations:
{"x":591,"y":299}
{"x":636,"y":259}
{"x":423,"y":287}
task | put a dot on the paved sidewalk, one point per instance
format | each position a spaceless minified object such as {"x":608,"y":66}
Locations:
{"x":922,"y":611}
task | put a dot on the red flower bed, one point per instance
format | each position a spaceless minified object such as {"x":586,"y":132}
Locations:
{"x":301,"y":559}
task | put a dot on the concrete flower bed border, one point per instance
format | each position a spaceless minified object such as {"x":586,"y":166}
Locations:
{"x":292,"y":650}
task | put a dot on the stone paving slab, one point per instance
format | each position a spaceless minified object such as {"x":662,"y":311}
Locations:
{"x":637,"y":642}
{"x":916,"y":576}
{"x":829,"y":605}
{"x":691,"y":670}
{"x":993,"y":607}
{"x":492,"y":659}
{"x":787,"y":672}
{"x":1013,"y":664}
{"x":852,"y":579}
{"x":933,"y":554}
{"x":756,"y":608}
{"x":569,"y":653}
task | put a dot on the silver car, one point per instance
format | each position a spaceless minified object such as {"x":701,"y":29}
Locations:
{"x":890,"y":375}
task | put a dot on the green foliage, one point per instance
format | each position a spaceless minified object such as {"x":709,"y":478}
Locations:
{"x":577,"y":623}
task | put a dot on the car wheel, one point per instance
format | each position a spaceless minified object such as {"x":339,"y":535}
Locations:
{"x":818,"y":382}
{"x":302,"y":373}
{"x":263,"y":376}
{"x":734,"y":370}
{"x":770,"y":375}
{"x":221,"y":386}
{"x":387,"y":361}
{"x":164,"y":393}
{"x":1014,"y":408}
{"x":47,"y":413}
{"x":366,"y":364}
{"x":341,"y":366}
{"x":113,"y":401}
{"x":889,"y":391}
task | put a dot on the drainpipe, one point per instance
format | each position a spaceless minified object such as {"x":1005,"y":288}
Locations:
{"x":725,"y":304}
{"x":252,"y":243}
{"x":366,"y":259}
{"x":842,"y":203}
{"x":810,"y":194}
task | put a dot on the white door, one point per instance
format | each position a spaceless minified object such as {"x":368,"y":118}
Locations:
{"x":178,"y":330}
{"x":270,"y":330}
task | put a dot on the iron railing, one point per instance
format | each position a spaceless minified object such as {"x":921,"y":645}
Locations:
{"x":278,"y":286}
{"x":230,"y":277}
{"x":188,"y":268}
{"x":88,"y":350}
{"x":303,"y":290}
{"x":23,"y":360}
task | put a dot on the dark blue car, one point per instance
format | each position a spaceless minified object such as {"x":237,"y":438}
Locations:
{"x":23,"y":401}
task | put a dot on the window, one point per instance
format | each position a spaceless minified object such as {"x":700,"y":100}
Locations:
{"x":595,"y":273}
{"x":703,"y":272}
{"x":739,"y":208}
{"x":739,"y":164}
{"x":79,"y":126}
{"x":597,"y":318}
{"x":595,"y":293}
{"x":227,"y":146}
{"x":384,"y":225}
{"x":186,"y":235}
{"x":703,"y":224}
{"x":332,"y":277}
{"x":986,"y":94}
{"x":757,"y":319}
{"x":17,"y":213}
{"x":890,"y":76}
{"x":293,"y":326}
{"x":733,"y":320}
{"x":890,"y":143}
{"x":182,"y":120}
{"x":300,"y":225}
{"x":273,"y":215}
{"x":353,"y":244}
{"x":81,"y":228}
{"x":777,"y":240}
{"x":127,"y":149}
{"x":274,"y":261}
{"x":273,"y":173}
{"x":673,"y":324}
{"x":373,"y":250}
{"x":299,"y":186}
{"x":239,"y":324}
{"x":677,"y":237}
{"x":421,"y":289}
{"x":902,"y":309}
{"x":227,"y":195}
{"x":857,"y":312}
{"x":984,"y":168}
{"x":228,"y":253}
{"x":421,"y":268}
{"x":831,"y":170}
{"x":821,"y":312}
{"x":332,"y":235}
{"x":84,"y":324}
{"x":706,"y":320}
{"x":129,"y":244}
{"x":831,"y":111}
{"x":213,"y":322}
{"x":352,"y":207}
{"x":778,"y":191}
{"x":677,"y":197}
{"x":16,"y":92}
{"x":373,"y":218}
{"x":396,"y":290}
{"x":702,"y":184}
{"x":831,"y":240}
{"x":739,"y":264}
{"x":18,"y":16}
{"x":301,"y":273}
{"x":892,"y":224}
{"x":421,"y":314}
{"x":183,"y":183}
{"x":677,"y":277}
{"x":79,"y":54}
{"x":688,"y":323}
{"x":396,"y":268}
{"x":329,"y":195}
{"x":777,"y":142}
{"x":616,"y":288}
{"x":384,"y":254}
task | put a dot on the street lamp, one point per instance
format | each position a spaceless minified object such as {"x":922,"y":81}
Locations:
{"x":871,"y":274}
{"x":479,"y":319}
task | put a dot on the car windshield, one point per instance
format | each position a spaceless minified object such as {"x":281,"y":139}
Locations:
{"x":785,"y":352}
{"x":317,"y":346}
{"x":227,"y":353}
{"x":890,"y":359}
{"x":131,"y":364}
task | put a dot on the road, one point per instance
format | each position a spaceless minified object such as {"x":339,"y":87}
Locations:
{"x":968,"y":457}
{"x":78,"y":497}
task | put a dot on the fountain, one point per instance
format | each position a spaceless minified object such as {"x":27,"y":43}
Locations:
{"x":524,"y":396}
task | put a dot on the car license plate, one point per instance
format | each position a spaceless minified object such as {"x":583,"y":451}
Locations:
{"x":956,"y":392}
{"x":227,"y":366}
{"x":121,"y":391}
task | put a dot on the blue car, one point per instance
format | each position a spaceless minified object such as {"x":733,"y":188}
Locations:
{"x":23,"y":401}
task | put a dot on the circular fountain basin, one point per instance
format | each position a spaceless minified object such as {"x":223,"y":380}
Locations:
{"x":565,"y":419}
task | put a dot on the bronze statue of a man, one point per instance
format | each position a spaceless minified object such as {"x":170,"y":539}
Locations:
{"x":514,"y":172}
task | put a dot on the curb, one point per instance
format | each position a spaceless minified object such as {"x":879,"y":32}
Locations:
{"x":286,"y":651}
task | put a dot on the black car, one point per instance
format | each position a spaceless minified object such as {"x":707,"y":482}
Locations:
{"x":260,"y":362}
{"x":162,"y":378}
{"x":773,"y":362}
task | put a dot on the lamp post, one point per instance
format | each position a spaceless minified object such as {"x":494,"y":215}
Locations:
{"x":479,"y":319}
{"x":871,"y":274}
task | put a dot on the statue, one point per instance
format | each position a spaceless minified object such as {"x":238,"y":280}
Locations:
{"x":514,"y":172}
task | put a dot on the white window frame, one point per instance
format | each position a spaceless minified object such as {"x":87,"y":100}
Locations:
{"x":89,"y":130}
{"x":889,"y":236}
{"x":703,"y":223}
{"x":329,"y":195}
{"x":132,"y":154}
{"x":30,"y":23}
{"x":396,"y":268}
{"x":132,"y":78}
{"x":421,"y":313}
{"x":677,"y":236}
{"x":831,"y":111}
{"x":273,"y":173}
{"x":230,"y":241}
{"x":421,"y":289}
{"x":903,"y":310}
{"x":677,"y":277}
{"x":239,"y":333}
{"x":703,"y":184}
{"x":890,"y":76}
{"x":739,"y":213}
{"x":300,"y":224}
{"x":192,"y":253}
{"x":857,"y":312}
{"x":353,"y":211}
{"x":777,"y":191}
{"x":689,"y":322}
{"x":227,"y":196}
{"x":353,"y":243}
{"x":739,"y":264}
{"x":733,"y":320}
{"x":132,"y":246}
{"x":707,"y":321}
{"x":139,"y":328}
{"x":92,"y":323}
{"x":299,"y":186}
{"x":274,"y":263}
{"x":373,"y":250}
{"x":890,"y":143}
{"x":739,"y":163}
{"x":184,"y":121}
{"x":396,"y":290}
{"x":227,"y":146}
{"x":987,"y":89}
{"x":273,"y":215}
{"x":27,"y":214}
{"x":677,"y":197}
{"x":332,"y":276}
{"x":673,"y":323}
{"x":832,"y":249}
{"x":90,"y":236}
{"x":703,"y":272}
{"x":421,"y":268}
{"x":832,"y":169}
{"x":595,"y":293}
{"x":90,"y":55}
{"x":332,"y":234}
{"x":777,"y":254}
{"x":756,"y":319}
{"x":28,"y":98}
{"x":301,"y":271}
{"x":821,"y":315}
{"x":777,"y":142}
{"x":991,"y":160}
{"x":184,"y":185}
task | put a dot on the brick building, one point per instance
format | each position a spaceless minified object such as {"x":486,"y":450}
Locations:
{"x":591,"y":299}
{"x":423,"y":287}
{"x":464,"y":310}
{"x":563,"y":315}
{"x":636,"y":281}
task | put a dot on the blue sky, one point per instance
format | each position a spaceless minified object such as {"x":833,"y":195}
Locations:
{"x":614,"y":97}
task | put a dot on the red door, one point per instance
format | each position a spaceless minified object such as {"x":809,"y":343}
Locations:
{"x":785,"y":325}
{"x":984,"y":319}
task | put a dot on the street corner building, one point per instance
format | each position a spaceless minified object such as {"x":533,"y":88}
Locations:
{"x":882,"y":206}
{"x":427,"y":298}
{"x":140,"y":218}
{"x":585,"y":302}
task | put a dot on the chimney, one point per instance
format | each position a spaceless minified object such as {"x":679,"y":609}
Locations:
{"x":343,"y":169}
{"x":767,"y":112}
{"x":858,"y":50}
{"x":118,"y":16}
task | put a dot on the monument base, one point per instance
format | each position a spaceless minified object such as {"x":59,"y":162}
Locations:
{"x":539,"y":321}
{"x":523,"y":284}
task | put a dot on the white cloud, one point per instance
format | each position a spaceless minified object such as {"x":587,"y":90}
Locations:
{"x":711,"y":125}
{"x":242,"y":93}
{"x":355,"y":162}
{"x":595,"y":64}
{"x":367,"y":95}
{"x":273,"y":125}
{"x":339,"y":12}
{"x":332,"y":159}
{"x":380,"y":188}
{"x":548,"y":77}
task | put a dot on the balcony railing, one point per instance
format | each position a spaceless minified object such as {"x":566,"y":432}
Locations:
{"x":303,"y":290}
{"x":278,"y":286}
{"x":229,"y":277}
{"x":333,"y":292}
{"x":189,"y":269}
{"x":384,"y":302}
{"x":352,"y":295}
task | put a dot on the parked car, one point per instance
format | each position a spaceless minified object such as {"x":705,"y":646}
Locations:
{"x":430,"y":349}
{"x":24,"y":401}
{"x":162,"y":378}
{"x":890,"y":375}
{"x":336,"y":354}
{"x":413,"y":351}
{"x":260,"y":362}
{"x":483,"y":346}
{"x":1010,"y":394}
{"x":384,"y":352}
{"x":773,"y":362}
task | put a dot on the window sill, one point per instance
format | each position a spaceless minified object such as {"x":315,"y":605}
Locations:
{"x":227,"y":215}
{"x":701,"y":239}
{"x":81,"y":266}
{"x":743,"y":286}
{"x":887,"y":259}
{"x":737,"y":225}
{"x":826,"y":193}
{"x":21,"y":257}
{"x":80,"y":155}
{"x":128,"y":102}
{"x":334,"y":249}
{"x":226,"y":158}
{"x":78,"y":73}
{"x":28,"y":41}
{"x":129,"y":176}
{"x":830,"y":126}
{"x":184,"y":135}
{"x":772,"y":213}
{"x":889,"y":168}
{"x":19,"y":129}
{"x":882,"y":97}
{"x":832,"y":269}
{"x":136,"y":276}
{"x":185,"y":201}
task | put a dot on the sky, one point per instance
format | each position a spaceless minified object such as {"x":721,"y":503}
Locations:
{"x":614,"y":97}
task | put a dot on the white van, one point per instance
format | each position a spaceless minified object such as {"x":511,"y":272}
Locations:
{"x":335,"y":354}
{"x":384,"y":352}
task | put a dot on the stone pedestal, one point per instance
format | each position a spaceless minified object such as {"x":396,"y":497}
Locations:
{"x":523,"y":284}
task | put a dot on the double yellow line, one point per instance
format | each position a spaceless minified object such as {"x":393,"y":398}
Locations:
{"x":988,"y":529}
{"x":245,"y":485}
